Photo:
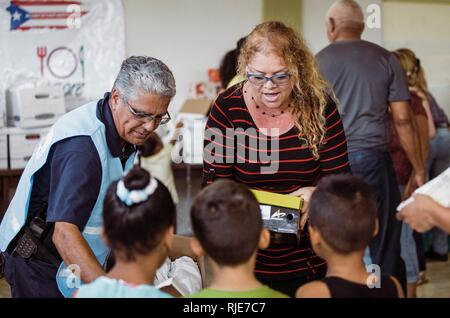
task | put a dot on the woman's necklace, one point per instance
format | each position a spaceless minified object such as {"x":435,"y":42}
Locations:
{"x":265,"y":113}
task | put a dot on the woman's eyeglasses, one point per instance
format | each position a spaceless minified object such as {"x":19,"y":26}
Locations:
{"x":158,"y":120}
{"x":260,"y":80}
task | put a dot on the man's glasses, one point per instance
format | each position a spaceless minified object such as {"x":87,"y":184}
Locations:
{"x":277,"y":79}
{"x":158,"y":120}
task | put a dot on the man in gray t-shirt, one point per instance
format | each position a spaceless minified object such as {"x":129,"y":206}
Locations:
{"x":369,"y":82}
{"x":365,"y":78}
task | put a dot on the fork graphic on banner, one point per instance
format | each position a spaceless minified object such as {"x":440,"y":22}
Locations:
{"x":42,"y":53}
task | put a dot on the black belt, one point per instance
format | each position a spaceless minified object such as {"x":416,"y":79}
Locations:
{"x":442,"y":125}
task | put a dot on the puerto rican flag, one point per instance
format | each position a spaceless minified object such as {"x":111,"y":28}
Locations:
{"x":52,"y":14}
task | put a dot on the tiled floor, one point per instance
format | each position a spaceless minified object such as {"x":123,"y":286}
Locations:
{"x":438,"y":285}
{"x":4,"y":289}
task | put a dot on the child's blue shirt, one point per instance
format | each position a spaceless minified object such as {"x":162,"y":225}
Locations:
{"x":105,"y":287}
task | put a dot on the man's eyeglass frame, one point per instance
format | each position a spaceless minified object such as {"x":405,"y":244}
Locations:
{"x":159,"y":120}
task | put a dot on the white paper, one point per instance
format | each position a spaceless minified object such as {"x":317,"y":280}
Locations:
{"x":437,"y":188}
{"x":265,"y":211}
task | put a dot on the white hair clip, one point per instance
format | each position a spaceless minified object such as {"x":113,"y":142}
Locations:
{"x":135,"y":196}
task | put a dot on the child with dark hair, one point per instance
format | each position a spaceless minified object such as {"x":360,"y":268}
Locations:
{"x":342,"y":222}
{"x":228,"y":227}
{"x":138,"y":224}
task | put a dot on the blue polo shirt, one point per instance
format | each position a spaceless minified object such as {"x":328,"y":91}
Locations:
{"x":69,"y":182}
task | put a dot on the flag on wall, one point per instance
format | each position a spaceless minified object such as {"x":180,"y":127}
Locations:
{"x":26,"y":15}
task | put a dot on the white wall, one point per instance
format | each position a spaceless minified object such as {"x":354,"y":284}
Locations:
{"x":313,"y":23}
{"x":189,"y":36}
{"x":425,"y":29}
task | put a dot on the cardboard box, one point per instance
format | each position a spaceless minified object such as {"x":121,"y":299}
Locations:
{"x":34,"y":107}
{"x":22,"y":143}
{"x":280,"y":212}
{"x":193,"y":115}
{"x":196,"y":107}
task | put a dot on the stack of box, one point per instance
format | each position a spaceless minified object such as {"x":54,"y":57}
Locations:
{"x":22,"y":143}
{"x":34,"y":107}
{"x":30,"y":112}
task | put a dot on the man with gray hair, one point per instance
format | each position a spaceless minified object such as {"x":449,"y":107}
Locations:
{"x":369,"y":83}
{"x":51,"y":231}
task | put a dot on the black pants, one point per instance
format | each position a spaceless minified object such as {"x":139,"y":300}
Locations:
{"x":31,"y":278}
{"x":418,"y":238}
{"x":375,"y":168}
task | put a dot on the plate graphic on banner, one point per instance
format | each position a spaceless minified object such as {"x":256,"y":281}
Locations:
{"x":62,"y":62}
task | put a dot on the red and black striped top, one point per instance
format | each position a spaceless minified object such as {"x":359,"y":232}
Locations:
{"x":291,"y":166}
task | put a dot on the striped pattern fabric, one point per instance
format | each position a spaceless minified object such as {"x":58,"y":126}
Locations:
{"x":295,"y":168}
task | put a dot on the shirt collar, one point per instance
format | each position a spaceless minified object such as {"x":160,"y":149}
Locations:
{"x":117,"y":146}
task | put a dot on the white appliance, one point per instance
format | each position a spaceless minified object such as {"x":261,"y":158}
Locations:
{"x":3,"y":149}
{"x":193,"y":116}
{"x":22,"y":143}
{"x":34,"y":107}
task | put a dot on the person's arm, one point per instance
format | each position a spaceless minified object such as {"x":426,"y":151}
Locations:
{"x":441,"y":217}
{"x":427,"y":107}
{"x":305,"y":194}
{"x":424,"y":213}
{"x":219,"y":148}
{"x":399,"y":288}
{"x":421,"y":126}
{"x":430,"y":121}
{"x":74,"y":249}
{"x":403,"y":122}
{"x":421,"y":123}
{"x":74,"y":189}
{"x":333,"y":155}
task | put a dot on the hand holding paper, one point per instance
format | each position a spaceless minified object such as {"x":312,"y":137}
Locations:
{"x":429,"y":205}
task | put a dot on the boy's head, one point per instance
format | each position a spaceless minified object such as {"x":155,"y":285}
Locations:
{"x":138,"y":215}
{"x":342,"y":214}
{"x":227,"y":223}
